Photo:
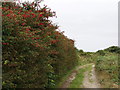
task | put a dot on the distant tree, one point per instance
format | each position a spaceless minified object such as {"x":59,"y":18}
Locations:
{"x":101,"y":52}
{"x":81,"y":51}
{"x":113,"y":49}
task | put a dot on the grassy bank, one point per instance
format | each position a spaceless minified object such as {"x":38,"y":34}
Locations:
{"x":65,"y":77}
{"x":107,"y":67}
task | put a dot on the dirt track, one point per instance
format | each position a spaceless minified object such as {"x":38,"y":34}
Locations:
{"x":90,"y":80}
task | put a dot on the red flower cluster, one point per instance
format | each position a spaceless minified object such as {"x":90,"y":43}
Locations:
{"x":25,"y":16}
{"x":40,"y":24}
{"x":11,"y":11}
{"x":40,"y":15}
{"x":5,"y":43}
{"x":23,"y":24}
{"x":33,"y":15}
{"x":2,"y":8}
{"x":14,"y":15}
{"x":36,"y":38}
{"x":44,"y":10}
{"x":27,"y":30}
{"x":8,"y":15}
{"x":19,"y":12}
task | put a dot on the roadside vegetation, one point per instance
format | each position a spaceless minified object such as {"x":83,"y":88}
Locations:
{"x":107,"y":67}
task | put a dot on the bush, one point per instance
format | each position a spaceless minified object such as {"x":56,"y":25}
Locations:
{"x":109,"y":65}
{"x":101,"y":52}
{"x":35,"y":54}
{"x":113,"y":49}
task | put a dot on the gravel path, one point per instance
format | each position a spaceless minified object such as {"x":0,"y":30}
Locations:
{"x":90,"y":79}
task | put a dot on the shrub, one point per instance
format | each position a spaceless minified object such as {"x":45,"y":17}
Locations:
{"x":35,"y":54}
{"x":113,"y":49}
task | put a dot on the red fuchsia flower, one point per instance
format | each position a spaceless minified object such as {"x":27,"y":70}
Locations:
{"x":14,"y":15}
{"x":27,"y":29}
{"x":11,"y":11}
{"x":23,"y":24}
{"x":18,"y":12}
{"x":4,"y":8}
{"x":40,"y":15}
{"x":37,"y":38}
{"x":5,"y":43}
{"x":33,"y":15}
{"x":33,"y":38}
{"x":16,"y":7}
{"x":40,"y":24}
{"x":44,"y":10}
{"x":24,"y":5}
{"x":8,"y":15}
{"x":29,"y":35}
{"x":30,"y":10}
{"x":25,"y":16}
{"x":28,"y":15}
{"x":39,"y":11}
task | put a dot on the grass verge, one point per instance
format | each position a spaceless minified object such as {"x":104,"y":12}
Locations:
{"x":65,"y":77}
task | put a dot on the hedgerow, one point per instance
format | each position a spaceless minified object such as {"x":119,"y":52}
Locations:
{"x":35,"y":54}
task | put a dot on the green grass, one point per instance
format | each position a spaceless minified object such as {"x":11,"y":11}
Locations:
{"x":77,"y":82}
{"x":65,"y":77}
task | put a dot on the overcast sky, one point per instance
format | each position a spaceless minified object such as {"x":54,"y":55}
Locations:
{"x":93,"y":24}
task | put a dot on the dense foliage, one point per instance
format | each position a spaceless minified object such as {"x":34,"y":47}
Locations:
{"x":35,"y":53}
{"x":85,"y":57}
{"x":107,"y":66}
{"x":113,"y":49}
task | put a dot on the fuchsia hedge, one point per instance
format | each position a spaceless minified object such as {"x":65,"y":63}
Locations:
{"x":35,"y":54}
